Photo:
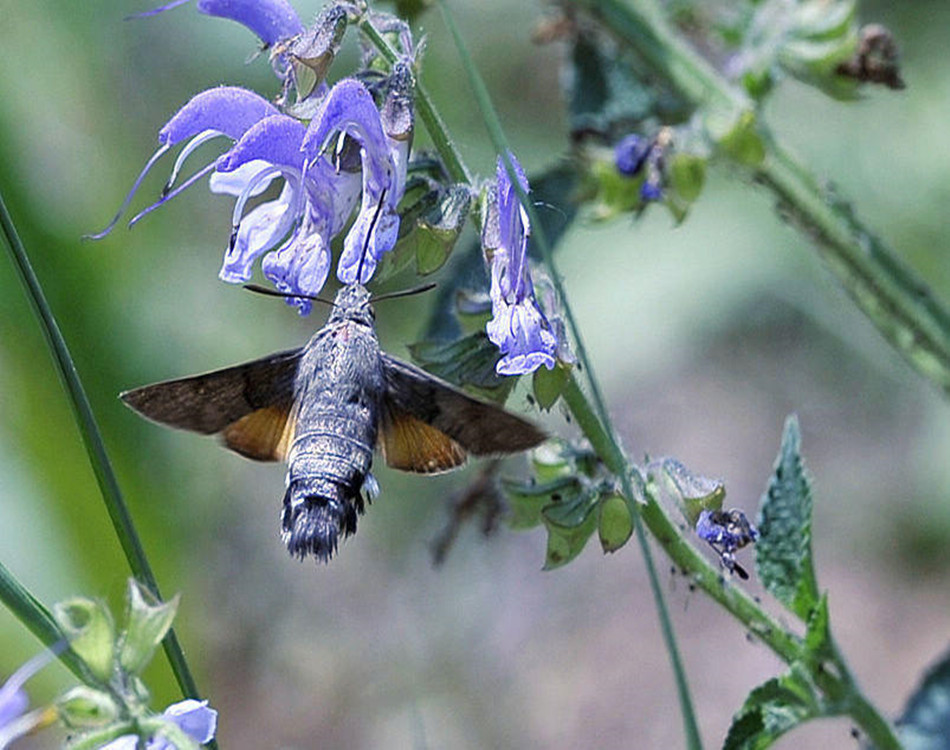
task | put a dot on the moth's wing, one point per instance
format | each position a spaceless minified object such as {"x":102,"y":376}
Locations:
{"x":251,"y":404}
{"x":429,"y":425}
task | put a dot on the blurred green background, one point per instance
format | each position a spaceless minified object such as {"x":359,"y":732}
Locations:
{"x":705,"y":337}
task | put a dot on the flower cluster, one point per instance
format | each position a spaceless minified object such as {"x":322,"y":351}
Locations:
{"x":519,"y":328}
{"x":333,"y":149}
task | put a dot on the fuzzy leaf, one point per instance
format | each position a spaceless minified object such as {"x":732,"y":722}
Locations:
{"x":469,"y":361}
{"x":925,"y":723}
{"x":570,"y":523}
{"x":783,"y":552}
{"x":772,"y":709}
{"x":526,"y":501}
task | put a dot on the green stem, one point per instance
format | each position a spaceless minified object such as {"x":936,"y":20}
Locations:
{"x":895,"y":299}
{"x":616,"y":456}
{"x":427,"y":111}
{"x":39,"y":621}
{"x":92,"y":440}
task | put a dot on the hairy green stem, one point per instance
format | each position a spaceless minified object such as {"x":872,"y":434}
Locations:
{"x":92,"y":440}
{"x":893,"y":297}
{"x":431,"y":119}
{"x":496,"y":132}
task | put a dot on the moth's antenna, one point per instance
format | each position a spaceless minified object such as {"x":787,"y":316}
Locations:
{"x":258,"y":289}
{"x":369,"y":235}
{"x":406,"y":292}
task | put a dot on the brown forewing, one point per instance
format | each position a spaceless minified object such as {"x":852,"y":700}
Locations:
{"x":478,"y":427}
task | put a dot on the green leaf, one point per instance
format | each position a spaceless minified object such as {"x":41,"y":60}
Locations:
{"x":696,"y":492}
{"x":925,"y":723}
{"x":742,"y":142}
{"x":148,"y":622}
{"x":468,"y":361}
{"x":772,"y":709}
{"x":88,"y":626}
{"x":687,"y":173}
{"x":608,"y":94}
{"x":527,"y":500}
{"x":570,"y":523}
{"x":615,"y":525}
{"x":783,"y":552}
{"x":818,"y":633}
{"x":548,"y":384}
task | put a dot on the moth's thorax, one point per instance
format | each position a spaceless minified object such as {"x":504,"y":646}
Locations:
{"x":352,"y":303}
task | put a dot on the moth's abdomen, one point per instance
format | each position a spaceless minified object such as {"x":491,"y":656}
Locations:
{"x":329,"y":460}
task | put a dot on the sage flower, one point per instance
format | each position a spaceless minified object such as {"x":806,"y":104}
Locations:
{"x":518,"y":326}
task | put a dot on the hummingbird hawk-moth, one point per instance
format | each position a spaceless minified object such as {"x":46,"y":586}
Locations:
{"x":322,"y":408}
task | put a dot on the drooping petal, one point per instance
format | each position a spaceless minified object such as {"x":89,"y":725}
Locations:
{"x":300,"y":267}
{"x":521,"y":333}
{"x":271,"y":20}
{"x":257,"y":232}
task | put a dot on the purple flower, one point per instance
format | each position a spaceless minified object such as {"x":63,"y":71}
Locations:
{"x":193,"y":717}
{"x":271,"y":20}
{"x":224,"y":111}
{"x":313,"y":206}
{"x":635,"y":154}
{"x":518,"y":326}
{"x":349,"y":109}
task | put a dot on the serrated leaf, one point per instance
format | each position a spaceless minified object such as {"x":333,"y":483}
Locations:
{"x":783,"y":553}
{"x":570,"y":523}
{"x":527,"y":500}
{"x":925,"y":723}
{"x":772,"y":709}
{"x":468,"y":361}
{"x":696,"y":492}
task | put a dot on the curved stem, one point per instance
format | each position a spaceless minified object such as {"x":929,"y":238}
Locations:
{"x":92,"y":440}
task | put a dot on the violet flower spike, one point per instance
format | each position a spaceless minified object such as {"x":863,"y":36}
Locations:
{"x":224,"y":111}
{"x":518,"y":326}
{"x":349,"y":108}
{"x":314,"y":205}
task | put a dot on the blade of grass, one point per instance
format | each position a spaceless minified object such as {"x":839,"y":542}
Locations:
{"x":92,"y":440}
{"x":617,"y":462}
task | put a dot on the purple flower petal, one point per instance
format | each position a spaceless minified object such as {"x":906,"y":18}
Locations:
{"x":513,"y":226}
{"x":194,"y":718}
{"x":631,"y":153}
{"x":300,"y":267}
{"x":521,"y":332}
{"x":228,"y":110}
{"x":271,"y":20}
{"x":275,"y":139}
{"x":257,"y":233}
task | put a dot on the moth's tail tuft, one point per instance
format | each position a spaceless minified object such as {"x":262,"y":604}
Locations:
{"x":314,"y":524}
